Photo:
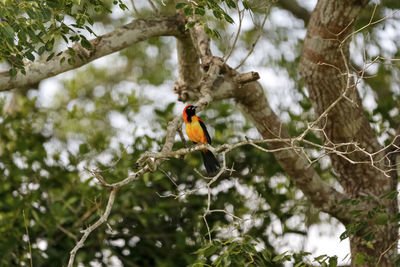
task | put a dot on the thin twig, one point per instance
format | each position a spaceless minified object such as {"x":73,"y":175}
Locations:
{"x":388,"y":249}
{"x":135,"y":11}
{"x":153,"y":7}
{"x":240,"y":15}
{"x":253,"y":45}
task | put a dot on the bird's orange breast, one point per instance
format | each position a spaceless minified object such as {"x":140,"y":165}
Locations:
{"x":195,"y":132}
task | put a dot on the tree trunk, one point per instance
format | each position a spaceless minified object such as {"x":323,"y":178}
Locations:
{"x":333,"y":91}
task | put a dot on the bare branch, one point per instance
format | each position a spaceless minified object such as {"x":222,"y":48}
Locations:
{"x":240,"y":16}
{"x":253,"y":45}
{"x":135,"y":11}
{"x":91,"y":228}
{"x":247,"y":77}
{"x":153,"y":6}
{"x":297,"y":10}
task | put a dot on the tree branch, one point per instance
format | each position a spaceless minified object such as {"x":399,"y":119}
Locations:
{"x":186,"y":86}
{"x":91,"y":228}
{"x":298,"y":11}
{"x":252,"y":99}
{"x":136,"y":31}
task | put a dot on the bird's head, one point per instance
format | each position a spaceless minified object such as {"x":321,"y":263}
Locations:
{"x":188,"y":112}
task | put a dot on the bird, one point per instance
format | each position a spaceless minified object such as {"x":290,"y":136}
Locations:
{"x":197,"y":132}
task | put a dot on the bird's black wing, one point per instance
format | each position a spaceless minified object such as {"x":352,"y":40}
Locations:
{"x":203,"y":126}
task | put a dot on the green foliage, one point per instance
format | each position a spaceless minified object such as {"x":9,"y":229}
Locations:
{"x":200,"y":9}
{"x":243,"y":252}
{"x":233,"y":252}
{"x":59,"y":197}
{"x":31,"y":28}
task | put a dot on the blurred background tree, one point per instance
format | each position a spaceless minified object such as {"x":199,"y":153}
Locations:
{"x":106,"y":114}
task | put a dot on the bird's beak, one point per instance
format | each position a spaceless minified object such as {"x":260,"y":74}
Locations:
{"x":194,"y":107}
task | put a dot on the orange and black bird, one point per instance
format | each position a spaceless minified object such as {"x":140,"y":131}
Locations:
{"x":197,"y":132}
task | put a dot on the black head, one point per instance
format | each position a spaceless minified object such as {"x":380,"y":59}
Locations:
{"x":190,"y":110}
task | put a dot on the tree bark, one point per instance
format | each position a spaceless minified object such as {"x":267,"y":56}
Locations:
{"x":136,"y":31}
{"x":324,"y":67}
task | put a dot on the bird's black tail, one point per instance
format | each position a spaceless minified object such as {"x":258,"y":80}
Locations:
{"x":210,"y":162}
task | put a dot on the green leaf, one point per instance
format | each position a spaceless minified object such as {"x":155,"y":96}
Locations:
{"x":228,"y":18}
{"x":49,"y":44}
{"x":359,"y":259}
{"x":123,"y":7}
{"x":46,"y":13}
{"x":41,"y":50}
{"x":50,"y":56}
{"x":217,"y":14}
{"x":390,"y":195}
{"x":320,"y":257}
{"x":71,"y":61}
{"x":208,"y":30}
{"x":226,"y":261}
{"x":86,"y":44}
{"x":200,"y":11}
{"x":345,"y":201}
{"x":210,"y":251}
{"x":333,"y":261}
{"x":80,"y":22}
{"x":12,"y":72}
{"x":381,"y":219}
{"x":71,"y":51}
{"x":7,"y":30}
{"x":83,"y":148}
{"x":216,"y":34}
{"x":180,"y":5}
{"x":282,"y":257}
{"x":30,"y":56}
{"x":231,"y":3}
{"x":190,"y":24}
{"x":188,"y":11}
